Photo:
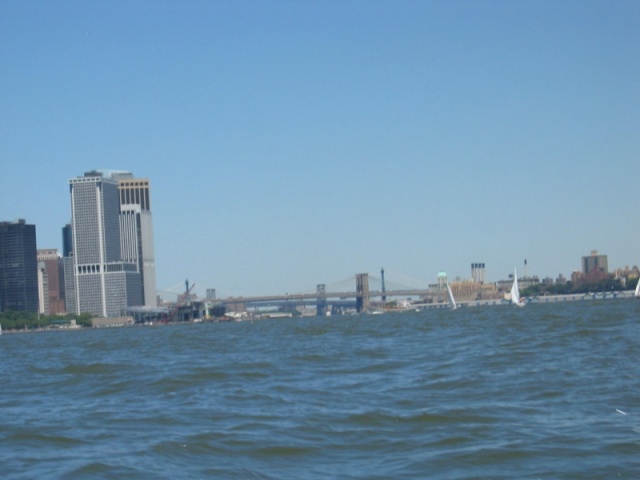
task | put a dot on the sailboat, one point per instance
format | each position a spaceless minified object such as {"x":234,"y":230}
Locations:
{"x":452,"y":301}
{"x":637,"y":294}
{"x":515,"y":292}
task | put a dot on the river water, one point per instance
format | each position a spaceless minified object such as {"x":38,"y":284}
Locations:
{"x":549,"y":391}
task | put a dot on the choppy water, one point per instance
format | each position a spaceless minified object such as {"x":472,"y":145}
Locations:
{"x":544,"y":392}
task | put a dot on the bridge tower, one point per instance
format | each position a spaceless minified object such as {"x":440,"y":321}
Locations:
{"x":362,"y":292}
{"x":321,"y":303}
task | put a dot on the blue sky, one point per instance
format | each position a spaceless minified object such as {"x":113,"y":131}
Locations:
{"x":291,"y":143}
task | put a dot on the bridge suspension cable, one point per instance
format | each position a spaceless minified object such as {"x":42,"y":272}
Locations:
{"x":346,"y":284}
{"x":399,"y":281}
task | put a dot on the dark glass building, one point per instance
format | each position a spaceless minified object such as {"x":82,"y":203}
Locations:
{"x":67,"y":240}
{"x":18,"y":267}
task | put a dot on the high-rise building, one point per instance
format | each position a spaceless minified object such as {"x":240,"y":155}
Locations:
{"x":67,"y":240}
{"x":18,"y":267}
{"x":66,"y":264}
{"x":43,"y":289}
{"x":136,"y":228}
{"x":101,"y":283}
{"x":594,"y":262}
{"x":51,"y":295}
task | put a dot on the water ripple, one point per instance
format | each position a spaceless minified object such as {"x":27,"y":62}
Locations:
{"x":549,"y":391}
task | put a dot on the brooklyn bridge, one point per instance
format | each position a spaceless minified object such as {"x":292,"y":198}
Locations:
{"x":362,"y":294}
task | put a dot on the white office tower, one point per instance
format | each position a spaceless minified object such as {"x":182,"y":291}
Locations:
{"x":136,"y":228}
{"x":103,"y":284}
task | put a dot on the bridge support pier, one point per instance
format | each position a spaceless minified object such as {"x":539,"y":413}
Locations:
{"x":321,"y":303}
{"x":362,"y":292}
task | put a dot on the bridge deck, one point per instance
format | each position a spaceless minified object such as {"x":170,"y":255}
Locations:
{"x":327,"y":295}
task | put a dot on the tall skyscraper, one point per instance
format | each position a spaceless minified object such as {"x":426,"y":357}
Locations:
{"x":136,"y":228}
{"x":18,"y":267}
{"x":102,"y":283}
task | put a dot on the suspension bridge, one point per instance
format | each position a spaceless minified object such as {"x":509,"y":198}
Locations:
{"x":366,"y":288}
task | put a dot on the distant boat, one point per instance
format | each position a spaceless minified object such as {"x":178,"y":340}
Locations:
{"x":515,"y":292}
{"x":452,"y":301}
{"x":637,"y":291}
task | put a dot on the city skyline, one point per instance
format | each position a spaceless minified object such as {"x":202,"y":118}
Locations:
{"x":297,"y":144}
{"x":94,"y":282}
{"x":134,"y":192}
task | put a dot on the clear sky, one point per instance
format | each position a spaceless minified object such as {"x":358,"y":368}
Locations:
{"x":291,"y":143}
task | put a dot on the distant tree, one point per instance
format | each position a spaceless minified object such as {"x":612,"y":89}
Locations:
{"x":82,"y":320}
{"x":14,"y":320}
{"x":609,"y":284}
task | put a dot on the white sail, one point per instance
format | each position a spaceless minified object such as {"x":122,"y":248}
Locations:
{"x":515,"y":292}
{"x":452,"y":300}
{"x":638,"y":289}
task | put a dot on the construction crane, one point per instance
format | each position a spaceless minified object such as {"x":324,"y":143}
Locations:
{"x":182,"y":299}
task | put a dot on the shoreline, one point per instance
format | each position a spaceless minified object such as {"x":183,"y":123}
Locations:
{"x":571,"y":297}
